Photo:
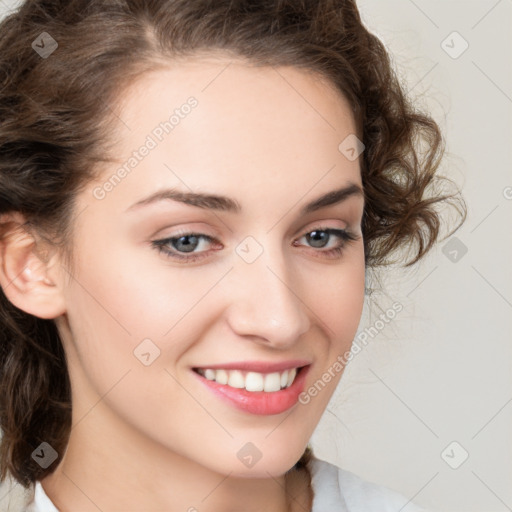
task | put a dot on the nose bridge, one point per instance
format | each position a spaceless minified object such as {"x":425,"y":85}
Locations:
{"x":266,"y":302}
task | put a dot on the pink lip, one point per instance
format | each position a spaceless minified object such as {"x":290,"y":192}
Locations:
{"x":258,"y":402}
{"x":259,"y":366}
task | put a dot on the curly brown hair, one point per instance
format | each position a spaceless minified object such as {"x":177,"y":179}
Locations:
{"x":56,"y":114}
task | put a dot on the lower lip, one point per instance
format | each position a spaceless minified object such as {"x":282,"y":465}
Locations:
{"x":259,"y":402}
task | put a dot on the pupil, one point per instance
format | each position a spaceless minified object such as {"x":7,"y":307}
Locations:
{"x":186,"y":246}
{"x":318,"y":236}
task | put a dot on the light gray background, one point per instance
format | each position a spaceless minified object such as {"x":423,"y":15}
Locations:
{"x":441,"y":371}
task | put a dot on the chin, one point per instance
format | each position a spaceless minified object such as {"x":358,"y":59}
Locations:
{"x":276,"y":465}
{"x":269,"y":461}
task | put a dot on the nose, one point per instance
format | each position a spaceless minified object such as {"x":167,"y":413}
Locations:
{"x":267,"y":302}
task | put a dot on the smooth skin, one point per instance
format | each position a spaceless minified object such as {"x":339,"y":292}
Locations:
{"x":154,"y":438}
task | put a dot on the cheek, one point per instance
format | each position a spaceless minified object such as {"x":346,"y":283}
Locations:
{"x":119,"y":310}
{"x":339,"y":304}
{"x":112,"y":315}
{"x":339,"y":300}
{"x":122,"y":296}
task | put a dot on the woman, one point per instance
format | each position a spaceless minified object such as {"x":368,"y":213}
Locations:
{"x":191,"y":195}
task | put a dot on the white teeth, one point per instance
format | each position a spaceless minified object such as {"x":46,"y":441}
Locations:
{"x":254,"y":381}
{"x":291,"y":376}
{"x":236,"y":379}
{"x":221,"y":376}
{"x":272,"y":382}
{"x":251,"y":381}
{"x":209,"y":374}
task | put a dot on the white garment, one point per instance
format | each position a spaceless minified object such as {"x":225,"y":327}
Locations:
{"x":339,"y":490}
{"x":41,"y":502}
{"x":335,"y":490}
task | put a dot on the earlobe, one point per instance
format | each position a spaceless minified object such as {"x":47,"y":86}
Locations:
{"x":24,"y":273}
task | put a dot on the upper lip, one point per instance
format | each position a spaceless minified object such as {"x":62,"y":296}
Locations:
{"x":258,"y":366}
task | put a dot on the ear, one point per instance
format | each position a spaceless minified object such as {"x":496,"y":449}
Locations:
{"x":28,"y":276}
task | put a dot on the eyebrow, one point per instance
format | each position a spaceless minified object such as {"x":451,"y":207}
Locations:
{"x":227,"y":204}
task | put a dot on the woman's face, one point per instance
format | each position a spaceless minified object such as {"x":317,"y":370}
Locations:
{"x":259,"y":287}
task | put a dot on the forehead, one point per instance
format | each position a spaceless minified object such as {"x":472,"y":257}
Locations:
{"x":248,"y":127}
{"x":236,"y":97}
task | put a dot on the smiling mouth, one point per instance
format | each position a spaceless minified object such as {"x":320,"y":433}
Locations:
{"x":251,"y":381}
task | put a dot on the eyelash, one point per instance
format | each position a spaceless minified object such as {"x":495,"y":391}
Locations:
{"x":336,"y":252}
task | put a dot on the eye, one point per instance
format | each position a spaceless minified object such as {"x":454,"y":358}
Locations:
{"x":320,"y":238}
{"x":178,"y":246}
{"x":184,"y":245}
